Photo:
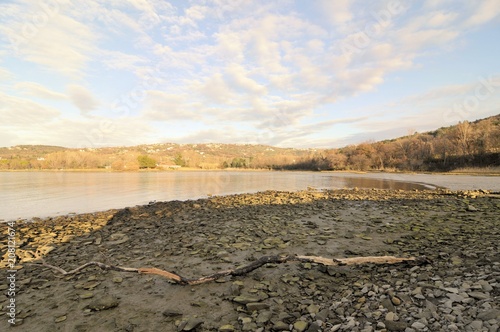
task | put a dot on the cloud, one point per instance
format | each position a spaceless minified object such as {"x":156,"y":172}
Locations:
{"x":16,"y":111}
{"x":225,"y":134}
{"x":37,"y":90}
{"x":440,"y":93}
{"x":263,"y":69}
{"x":103,"y":132}
{"x":54,"y":40}
{"x":337,"y":11}
{"x":122,"y":61}
{"x":239,"y":79}
{"x":215,"y":90}
{"x":162,"y":106}
{"x":82,"y":98}
{"x":5,"y":74}
{"x":440,"y":18}
{"x":484,"y":12}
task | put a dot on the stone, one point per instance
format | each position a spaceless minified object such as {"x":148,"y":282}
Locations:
{"x":323,"y":315}
{"x":395,"y":300}
{"x":479,"y":295}
{"x":476,"y":325}
{"x":59,"y":319}
{"x":471,"y":208}
{"x":86,"y":295}
{"x":386,"y":303}
{"x":171,"y":313}
{"x":418,"y":325}
{"x":313,"y":309}
{"x":391,"y":316}
{"x":117,"y":238}
{"x":314,"y":327}
{"x":226,"y":328}
{"x":117,"y":280}
{"x":300,"y":325}
{"x":489,"y":314}
{"x":104,"y":303}
{"x":395,"y":326}
{"x":264,"y":317}
{"x":245,"y":299}
{"x":192,"y":323}
{"x":455,"y":297}
{"x":255,"y":306}
{"x":280,"y":326}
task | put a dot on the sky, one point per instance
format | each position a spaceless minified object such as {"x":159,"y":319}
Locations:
{"x":304,"y":74}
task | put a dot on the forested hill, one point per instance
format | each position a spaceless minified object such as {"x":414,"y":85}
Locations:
{"x":467,"y":144}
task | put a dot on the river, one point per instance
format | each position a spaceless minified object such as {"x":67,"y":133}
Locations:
{"x":42,"y":194}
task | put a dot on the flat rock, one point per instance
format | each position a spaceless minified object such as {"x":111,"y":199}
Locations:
{"x":280,"y":326}
{"x":300,"y":325}
{"x":103,"y":303}
{"x":192,"y":324}
{"x":243,"y":299}
{"x":479,"y":295}
{"x":395,"y":326}
{"x":255,"y":306}
{"x":489,"y":314}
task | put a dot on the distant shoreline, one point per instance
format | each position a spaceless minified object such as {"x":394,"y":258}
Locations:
{"x":486,"y":171}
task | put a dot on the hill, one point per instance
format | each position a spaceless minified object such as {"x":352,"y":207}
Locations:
{"x":467,"y":144}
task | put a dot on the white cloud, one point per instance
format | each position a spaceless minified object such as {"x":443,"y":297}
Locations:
{"x":37,"y":90}
{"x":82,"y":98}
{"x":268,"y":66}
{"x":21,"y":112}
{"x":5,"y":74}
{"x":337,"y":11}
{"x":59,"y":42}
{"x":215,"y":90}
{"x":162,"y":106}
{"x":486,"y":11}
{"x":440,"y":93}
{"x":441,"y":18}
{"x":122,"y":61}
{"x":239,"y":78}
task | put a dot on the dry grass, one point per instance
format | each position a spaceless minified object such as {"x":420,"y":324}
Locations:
{"x":478,"y":170}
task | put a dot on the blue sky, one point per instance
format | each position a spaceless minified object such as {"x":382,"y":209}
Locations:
{"x":322,"y":73}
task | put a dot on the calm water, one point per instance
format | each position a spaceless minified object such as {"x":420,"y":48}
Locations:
{"x":41,"y":194}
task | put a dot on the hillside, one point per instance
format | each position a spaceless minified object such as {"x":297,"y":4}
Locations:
{"x":474,"y":144}
{"x":203,"y":156}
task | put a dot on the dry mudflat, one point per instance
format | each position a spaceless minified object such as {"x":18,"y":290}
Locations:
{"x":459,"y":232}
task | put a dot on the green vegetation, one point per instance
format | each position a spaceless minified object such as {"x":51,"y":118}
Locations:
{"x":179,"y":161}
{"x":146,"y":162}
{"x":463,"y":146}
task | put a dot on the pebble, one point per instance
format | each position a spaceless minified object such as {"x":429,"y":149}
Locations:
{"x":418,"y":325}
{"x":103,"y":303}
{"x":300,"y":326}
{"x":456,"y":292}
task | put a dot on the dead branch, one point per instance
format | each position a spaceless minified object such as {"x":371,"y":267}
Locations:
{"x":239,"y":271}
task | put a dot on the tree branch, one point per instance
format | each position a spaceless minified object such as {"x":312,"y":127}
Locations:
{"x":239,"y":271}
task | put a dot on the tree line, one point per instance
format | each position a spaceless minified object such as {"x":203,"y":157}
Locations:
{"x":464,"y":145}
{"x":467,"y":144}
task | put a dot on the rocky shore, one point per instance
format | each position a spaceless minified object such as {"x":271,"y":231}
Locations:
{"x":459,"y":291}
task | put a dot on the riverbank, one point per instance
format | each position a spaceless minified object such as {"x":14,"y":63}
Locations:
{"x":479,"y":171}
{"x":457,"y":231}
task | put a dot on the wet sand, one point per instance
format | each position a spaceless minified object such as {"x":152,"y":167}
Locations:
{"x":458,"y":231}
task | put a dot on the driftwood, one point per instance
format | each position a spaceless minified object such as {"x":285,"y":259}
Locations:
{"x":239,"y":271}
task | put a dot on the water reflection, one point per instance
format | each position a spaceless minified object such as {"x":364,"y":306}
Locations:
{"x":29,"y":194}
{"x":382,"y":184}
